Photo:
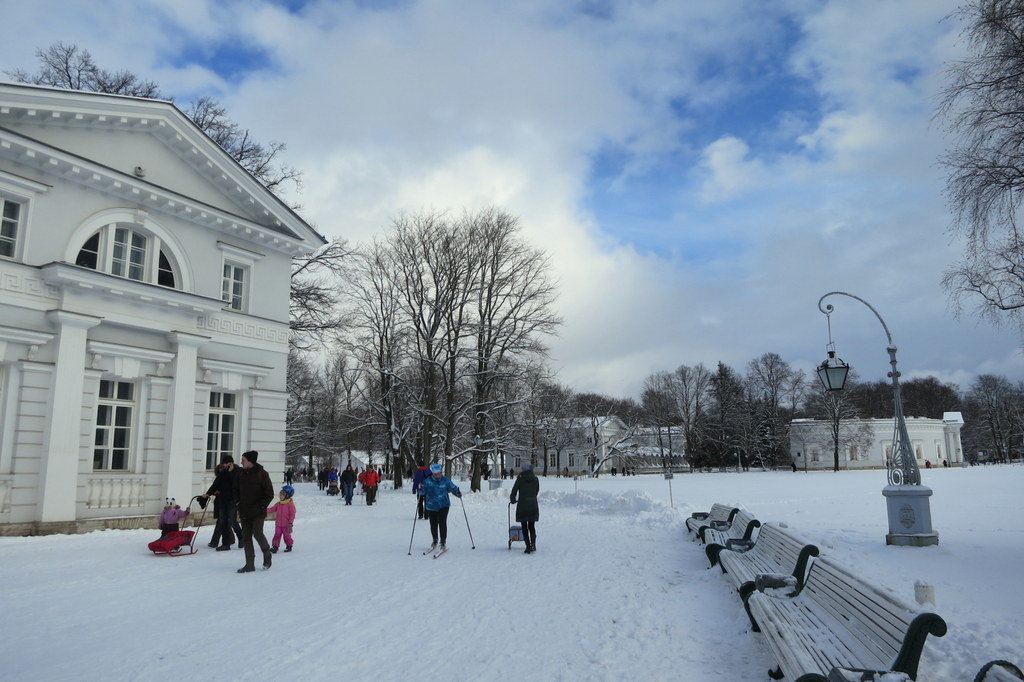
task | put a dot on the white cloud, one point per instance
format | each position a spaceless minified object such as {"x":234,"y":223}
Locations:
{"x":729,"y":170}
{"x":438,"y":104}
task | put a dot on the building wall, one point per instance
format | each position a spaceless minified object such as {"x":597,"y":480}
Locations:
{"x":64,"y":329}
{"x":932,"y":440}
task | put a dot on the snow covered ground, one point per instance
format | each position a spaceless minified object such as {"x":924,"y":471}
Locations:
{"x":615,"y":592}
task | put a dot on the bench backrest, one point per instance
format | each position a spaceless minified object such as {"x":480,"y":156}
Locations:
{"x":888,"y":629}
{"x":785,"y":549}
{"x":743,"y":525}
{"x":721,"y":512}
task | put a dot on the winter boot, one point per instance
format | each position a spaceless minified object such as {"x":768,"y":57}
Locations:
{"x":273,"y":550}
{"x":267,"y":561}
{"x":288,"y":548}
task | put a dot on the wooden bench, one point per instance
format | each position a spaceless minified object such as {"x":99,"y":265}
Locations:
{"x":839,"y":621}
{"x":776,"y":552}
{"x":742,"y":528}
{"x":719,"y":513}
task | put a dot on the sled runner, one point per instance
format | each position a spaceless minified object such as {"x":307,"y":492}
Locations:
{"x":179,"y":542}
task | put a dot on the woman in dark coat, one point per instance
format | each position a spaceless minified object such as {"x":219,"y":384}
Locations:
{"x":527,"y":512}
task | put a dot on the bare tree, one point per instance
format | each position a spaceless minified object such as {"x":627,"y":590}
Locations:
{"x":378,"y":337}
{"x":839,"y":413}
{"x":983,"y":105}
{"x":691,"y":386}
{"x":514,"y":299}
{"x":68,"y":66}
{"x":995,"y":404}
{"x":314,"y":298}
{"x":775,"y":389}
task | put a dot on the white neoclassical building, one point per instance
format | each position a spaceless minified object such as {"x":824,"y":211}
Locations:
{"x":144,"y":281}
{"x":867,"y":443}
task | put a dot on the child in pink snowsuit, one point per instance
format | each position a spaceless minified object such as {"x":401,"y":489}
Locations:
{"x":285,"y":510}
{"x":170,"y":516}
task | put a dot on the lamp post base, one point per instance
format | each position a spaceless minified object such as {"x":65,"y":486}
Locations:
{"x":910,"y":518}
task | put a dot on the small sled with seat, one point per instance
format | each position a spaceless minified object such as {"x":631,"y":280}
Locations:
{"x":179,"y":542}
{"x":515,"y":532}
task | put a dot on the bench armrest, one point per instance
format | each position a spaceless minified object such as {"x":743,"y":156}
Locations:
{"x":738,"y":545}
{"x":776,"y":584}
{"x":699,"y":515}
{"x":862,"y":675}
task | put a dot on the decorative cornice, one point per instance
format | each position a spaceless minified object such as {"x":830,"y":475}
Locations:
{"x":133,"y":352}
{"x":246,"y":328}
{"x":26,"y":336}
{"x":46,"y":158}
{"x":70,"y":277}
{"x":52,"y":106}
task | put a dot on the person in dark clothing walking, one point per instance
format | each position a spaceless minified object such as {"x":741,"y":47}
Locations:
{"x":223,"y":490}
{"x":348,"y":483}
{"x":525,"y":490}
{"x":254,"y":493}
{"x":417,"y":480}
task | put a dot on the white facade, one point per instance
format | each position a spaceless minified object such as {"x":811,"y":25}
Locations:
{"x":144,"y":280}
{"x":870,"y":442}
{"x":580,"y":443}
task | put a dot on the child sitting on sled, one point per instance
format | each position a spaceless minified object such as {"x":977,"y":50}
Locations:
{"x":171,"y":516}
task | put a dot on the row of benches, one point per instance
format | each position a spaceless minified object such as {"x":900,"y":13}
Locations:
{"x":822,"y":622}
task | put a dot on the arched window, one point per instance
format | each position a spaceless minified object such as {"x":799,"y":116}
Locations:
{"x":129,"y":251}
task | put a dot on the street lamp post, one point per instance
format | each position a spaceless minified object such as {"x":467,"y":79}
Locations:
{"x":910,"y":519}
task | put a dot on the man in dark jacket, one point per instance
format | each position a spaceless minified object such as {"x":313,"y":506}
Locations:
{"x":348,"y":483}
{"x":223,"y":490}
{"x":526,"y":489}
{"x":253,"y":493}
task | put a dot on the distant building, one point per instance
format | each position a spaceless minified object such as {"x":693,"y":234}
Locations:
{"x":580,"y":444}
{"x":144,"y":284}
{"x":868,"y":443}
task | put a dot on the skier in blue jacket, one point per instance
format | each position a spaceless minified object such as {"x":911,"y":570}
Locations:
{"x":435,"y":490}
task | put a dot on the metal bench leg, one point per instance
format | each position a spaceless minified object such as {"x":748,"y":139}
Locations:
{"x":776,"y":674}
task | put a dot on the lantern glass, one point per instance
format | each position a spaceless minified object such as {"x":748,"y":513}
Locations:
{"x":832,"y":372}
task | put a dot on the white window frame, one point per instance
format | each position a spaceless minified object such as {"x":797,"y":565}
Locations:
{"x":18,"y":222}
{"x":117,"y":406}
{"x":237,"y":261}
{"x":21,"y":191}
{"x":234,"y":286}
{"x":150,"y":265}
{"x":217,"y":413}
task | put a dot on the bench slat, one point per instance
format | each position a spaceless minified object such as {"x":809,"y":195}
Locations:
{"x":839,"y":620}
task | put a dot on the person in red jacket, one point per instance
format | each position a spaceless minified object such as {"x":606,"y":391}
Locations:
{"x":371,"y":479}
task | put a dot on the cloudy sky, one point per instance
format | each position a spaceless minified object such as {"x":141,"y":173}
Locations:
{"x":700,"y":172}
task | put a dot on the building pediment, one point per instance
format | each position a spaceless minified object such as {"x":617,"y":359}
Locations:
{"x":47,"y":128}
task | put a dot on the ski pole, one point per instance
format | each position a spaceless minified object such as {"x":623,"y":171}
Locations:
{"x":415,"y":513}
{"x":472,"y":544}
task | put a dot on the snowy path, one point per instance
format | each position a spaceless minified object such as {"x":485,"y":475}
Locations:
{"x":615,"y":592}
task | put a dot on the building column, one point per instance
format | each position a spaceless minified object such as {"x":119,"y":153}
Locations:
{"x":181,"y":414}
{"x":58,"y":470}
